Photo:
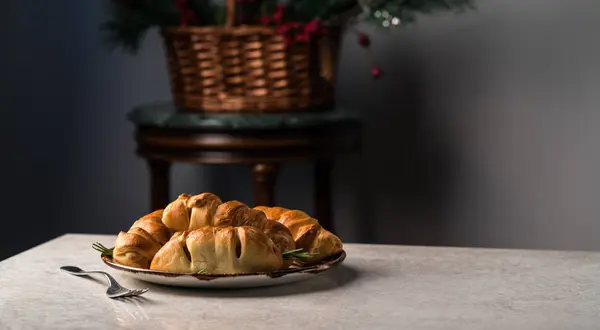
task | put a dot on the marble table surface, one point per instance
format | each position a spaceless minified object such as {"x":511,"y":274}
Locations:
{"x":377,"y":287}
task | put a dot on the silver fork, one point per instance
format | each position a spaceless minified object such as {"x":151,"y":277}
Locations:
{"x":115,"y":290}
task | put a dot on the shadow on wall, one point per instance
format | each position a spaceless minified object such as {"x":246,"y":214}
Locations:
{"x":411,"y":167}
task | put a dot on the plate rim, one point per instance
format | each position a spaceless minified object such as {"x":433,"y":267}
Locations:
{"x":322,"y":266}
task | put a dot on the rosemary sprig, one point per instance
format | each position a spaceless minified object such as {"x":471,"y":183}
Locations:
{"x":297,"y":254}
{"x":104,"y":251}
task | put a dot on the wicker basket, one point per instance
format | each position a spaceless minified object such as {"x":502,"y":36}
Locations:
{"x":249,"y":69}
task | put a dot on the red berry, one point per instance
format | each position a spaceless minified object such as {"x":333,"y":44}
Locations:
{"x":278,"y":17}
{"x":312,"y":27}
{"x":363,"y":40}
{"x":376,"y":71}
{"x":283,"y":29}
{"x":303,"y":37}
{"x":265,"y":20}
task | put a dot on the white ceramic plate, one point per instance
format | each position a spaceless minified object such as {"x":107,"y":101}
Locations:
{"x":228,"y":281}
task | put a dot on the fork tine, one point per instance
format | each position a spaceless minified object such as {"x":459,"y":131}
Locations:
{"x":141,"y":292}
{"x":136,"y":292}
{"x":133,"y":293}
{"x":130,"y":293}
{"x":126,"y":294}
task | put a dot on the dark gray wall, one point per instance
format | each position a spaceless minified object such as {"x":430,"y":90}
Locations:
{"x":483,"y":131}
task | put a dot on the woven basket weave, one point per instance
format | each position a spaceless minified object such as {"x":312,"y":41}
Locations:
{"x":248,"y":69}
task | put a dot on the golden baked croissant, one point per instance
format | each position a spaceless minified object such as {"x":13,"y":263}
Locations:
{"x":139,"y":244}
{"x":192,"y":212}
{"x":306,"y":231}
{"x":219,"y":250}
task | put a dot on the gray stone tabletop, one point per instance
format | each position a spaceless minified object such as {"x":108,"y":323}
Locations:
{"x":377,"y":287}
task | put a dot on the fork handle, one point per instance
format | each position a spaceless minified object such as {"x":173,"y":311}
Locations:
{"x":111,"y":280}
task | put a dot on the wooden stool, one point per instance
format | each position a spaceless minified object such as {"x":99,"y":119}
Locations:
{"x":165,"y":135}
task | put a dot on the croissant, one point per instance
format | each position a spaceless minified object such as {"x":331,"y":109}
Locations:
{"x":139,"y":244}
{"x":192,"y":212}
{"x":219,"y":250}
{"x":306,"y":231}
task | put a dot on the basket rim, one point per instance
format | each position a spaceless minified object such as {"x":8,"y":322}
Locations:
{"x":226,"y":29}
{"x":217,"y":29}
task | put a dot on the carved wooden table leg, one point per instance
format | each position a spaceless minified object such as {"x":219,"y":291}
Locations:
{"x":264,"y":176}
{"x":159,"y":183}
{"x":322,"y":188}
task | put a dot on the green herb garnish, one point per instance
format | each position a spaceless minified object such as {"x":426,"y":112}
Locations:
{"x":104,"y":251}
{"x":297,"y":254}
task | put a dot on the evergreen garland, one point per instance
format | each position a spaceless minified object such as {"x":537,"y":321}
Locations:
{"x":131,"y":19}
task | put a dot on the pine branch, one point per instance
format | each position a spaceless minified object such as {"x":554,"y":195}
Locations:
{"x":130,"y":20}
{"x":127,"y":27}
{"x":340,"y":8}
{"x":208,"y":12}
{"x":407,"y":11}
